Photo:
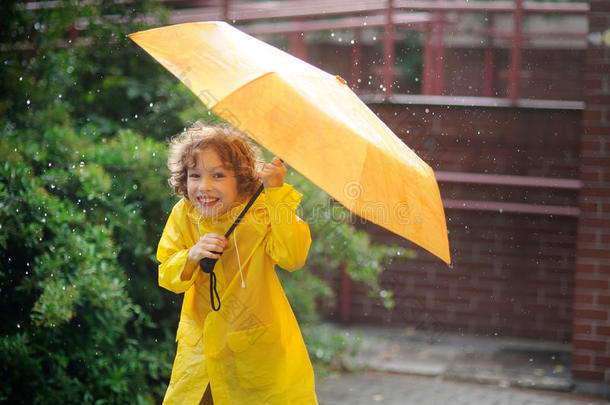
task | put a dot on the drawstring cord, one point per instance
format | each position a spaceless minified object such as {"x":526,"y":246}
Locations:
{"x":243,"y":284}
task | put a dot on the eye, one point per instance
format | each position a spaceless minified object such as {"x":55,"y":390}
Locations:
{"x":194,"y":175}
{"x":219,"y":175}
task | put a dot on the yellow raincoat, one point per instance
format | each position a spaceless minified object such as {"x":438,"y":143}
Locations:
{"x":251,"y":351}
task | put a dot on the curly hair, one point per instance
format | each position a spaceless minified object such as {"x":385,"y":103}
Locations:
{"x":233,"y":148}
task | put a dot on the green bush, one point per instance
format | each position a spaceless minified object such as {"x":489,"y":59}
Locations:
{"x":83,"y":201}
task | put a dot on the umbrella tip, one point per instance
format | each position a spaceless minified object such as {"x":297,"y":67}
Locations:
{"x":341,"y":80}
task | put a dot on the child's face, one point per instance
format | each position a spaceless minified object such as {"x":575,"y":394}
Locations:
{"x":211,"y":187}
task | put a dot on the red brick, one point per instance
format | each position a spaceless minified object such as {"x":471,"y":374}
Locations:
{"x":584,"y":314}
{"x":594,"y":223}
{"x":595,"y":345}
{"x":587,"y":237}
{"x":603,"y":361}
{"x":587,"y":206}
{"x":593,"y":114}
{"x":596,"y":129}
{"x":603,"y":269}
{"x":604,"y":300}
{"x":592,"y":283}
{"x":605,"y":207}
{"x":597,"y":21}
{"x":596,"y":6}
{"x":594,"y":83}
{"x":586,"y":268}
{"x":598,"y":253}
{"x":601,"y":68}
{"x":582,"y":360}
{"x":591,"y":145}
{"x":581,"y":329}
{"x":583,"y":298}
{"x":587,"y":375}
{"x":602,"y":330}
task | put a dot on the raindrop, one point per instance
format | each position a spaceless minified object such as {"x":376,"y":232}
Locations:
{"x":59,"y":96}
{"x":18,"y":326}
{"x":81,"y":164}
{"x":332,"y":34}
{"x":52,"y":186}
{"x":374,"y":38}
{"x":352,"y":42}
{"x":150,"y":104}
{"x":27,"y":102}
{"x":135,"y":187}
{"x":20,"y":78}
{"x":135,"y":116}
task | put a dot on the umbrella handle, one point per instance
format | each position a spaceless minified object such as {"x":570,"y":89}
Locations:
{"x":207,"y":263}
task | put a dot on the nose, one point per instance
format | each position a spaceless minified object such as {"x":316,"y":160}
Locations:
{"x":205,"y":184}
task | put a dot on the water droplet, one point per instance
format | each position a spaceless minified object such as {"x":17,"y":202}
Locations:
{"x":27,"y":102}
{"x":81,"y":164}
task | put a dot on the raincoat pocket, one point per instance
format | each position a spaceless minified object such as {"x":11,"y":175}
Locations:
{"x":258,"y":355}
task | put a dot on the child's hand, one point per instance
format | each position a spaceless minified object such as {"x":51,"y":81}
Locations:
{"x":208,"y":243}
{"x":273,"y":174}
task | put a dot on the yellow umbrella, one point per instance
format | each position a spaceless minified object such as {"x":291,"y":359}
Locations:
{"x":312,"y":120}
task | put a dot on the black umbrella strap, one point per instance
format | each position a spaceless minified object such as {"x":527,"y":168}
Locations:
{"x":214,"y":291}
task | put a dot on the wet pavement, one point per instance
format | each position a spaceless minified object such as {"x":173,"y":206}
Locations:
{"x":405,"y":366}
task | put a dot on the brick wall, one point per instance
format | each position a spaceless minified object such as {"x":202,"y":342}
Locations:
{"x":591,"y":328}
{"x":512,"y":273}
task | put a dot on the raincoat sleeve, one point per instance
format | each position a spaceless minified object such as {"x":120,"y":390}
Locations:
{"x":289,"y":240}
{"x":172,"y":253}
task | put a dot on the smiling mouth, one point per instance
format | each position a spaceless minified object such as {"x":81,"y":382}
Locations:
{"x":207,"y":202}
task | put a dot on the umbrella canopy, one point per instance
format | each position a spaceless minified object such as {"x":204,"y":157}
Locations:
{"x":312,"y":120}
